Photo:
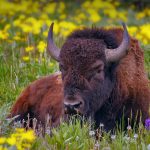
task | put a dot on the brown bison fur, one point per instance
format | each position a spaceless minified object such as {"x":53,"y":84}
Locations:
{"x":42,"y":97}
{"x":130,"y":88}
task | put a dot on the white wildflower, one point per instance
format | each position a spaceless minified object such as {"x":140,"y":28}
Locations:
{"x":113,"y":137}
{"x":135,"y":136}
{"x":91,"y":133}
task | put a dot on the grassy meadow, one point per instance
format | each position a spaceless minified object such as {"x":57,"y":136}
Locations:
{"x":23,"y":58}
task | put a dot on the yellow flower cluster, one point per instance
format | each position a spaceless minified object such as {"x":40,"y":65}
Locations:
{"x":41,"y":46}
{"x":98,"y":8}
{"x":28,"y":21}
{"x":26,"y":58}
{"x":142,"y":33}
{"x":21,"y":140}
{"x":143,"y":14}
{"x":29,"y":48}
{"x":3,"y":35}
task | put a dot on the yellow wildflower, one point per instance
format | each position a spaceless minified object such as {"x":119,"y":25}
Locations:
{"x":2,"y":140}
{"x":94,"y":15}
{"x":20,"y":130}
{"x":26,"y":58}
{"x":61,"y":7}
{"x":21,"y":16}
{"x":31,"y":20}
{"x":21,"y":139}
{"x":17,"y":38}
{"x":81,"y":16}
{"x":26,"y":28}
{"x":50,"y":8}
{"x":44,"y":16}
{"x":66,"y":27}
{"x":45,"y":33}
{"x":62,"y":16}
{"x":17,"y":23}
{"x":51,"y":64}
{"x":140,"y":15}
{"x":29,"y":48}
{"x":145,"y":33}
{"x":29,"y":135}
{"x":86,"y":4}
{"x":132,"y":30}
{"x":122,"y":16}
{"x":3,"y":35}
{"x":112,"y":14}
{"x":41,"y":46}
{"x":11,"y":141}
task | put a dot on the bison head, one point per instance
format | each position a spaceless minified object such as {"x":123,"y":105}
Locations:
{"x":87,"y":67}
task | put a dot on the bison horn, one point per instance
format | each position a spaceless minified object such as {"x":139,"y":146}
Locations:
{"x":113,"y":55}
{"x":51,"y":47}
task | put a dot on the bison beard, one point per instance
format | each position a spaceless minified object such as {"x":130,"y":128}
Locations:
{"x":96,"y":84}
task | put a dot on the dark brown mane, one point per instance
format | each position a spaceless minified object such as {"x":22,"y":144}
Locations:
{"x":108,"y":35}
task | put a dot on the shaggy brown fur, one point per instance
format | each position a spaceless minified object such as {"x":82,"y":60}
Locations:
{"x":125,"y":85}
{"x":42,"y":97}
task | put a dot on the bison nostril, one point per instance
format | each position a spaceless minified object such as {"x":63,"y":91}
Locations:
{"x":77,"y":105}
{"x":72,"y":106}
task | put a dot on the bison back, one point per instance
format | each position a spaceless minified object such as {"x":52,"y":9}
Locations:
{"x":41,"y":97}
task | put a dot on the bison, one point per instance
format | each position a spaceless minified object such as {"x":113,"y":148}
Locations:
{"x":102,"y":77}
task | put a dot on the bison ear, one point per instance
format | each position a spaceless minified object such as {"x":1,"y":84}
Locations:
{"x":51,"y":47}
{"x":113,"y":55}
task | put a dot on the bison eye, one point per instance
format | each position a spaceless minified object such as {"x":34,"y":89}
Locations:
{"x":99,"y":70}
{"x":95,"y":73}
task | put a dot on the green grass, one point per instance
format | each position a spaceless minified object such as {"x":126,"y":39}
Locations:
{"x":73,"y":136}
